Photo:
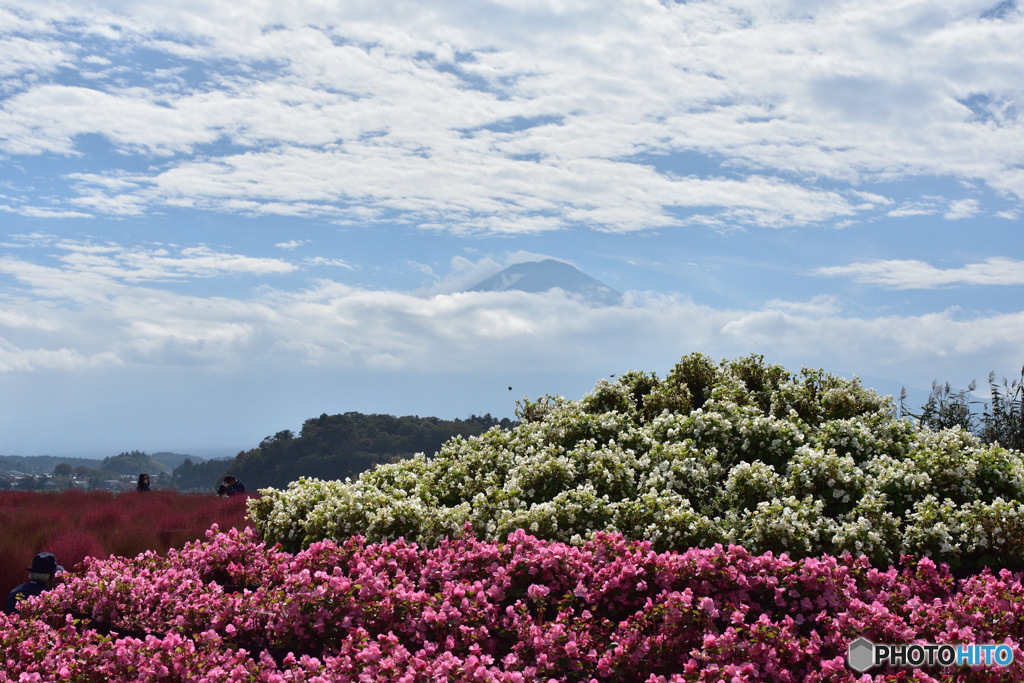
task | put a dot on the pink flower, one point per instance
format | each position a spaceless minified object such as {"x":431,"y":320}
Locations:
{"x":537,"y":591}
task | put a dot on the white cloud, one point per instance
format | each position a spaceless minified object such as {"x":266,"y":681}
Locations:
{"x":333,"y":262}
{"x":471,"y":194}
{"x":107,"y":264}
{"x":481,"y":121}
{"x":14,"y":359}
{"x":27,"y":240}
{"x":463,"y":273}
{"x":927,"y":206}
{"x":19,"y":56}
{"x":291,"y":244}
{"x":47,"y":118}
{"x":915,"y":208}
{"x":913,"y":274}
{"x":39,"y":212}
{"x":963,"y":208}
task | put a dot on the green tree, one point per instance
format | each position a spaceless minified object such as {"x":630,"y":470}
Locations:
{"x":134,"y":463}
{"x":1002,"y":422}
{"x":946,"y":408}
{"x":199,"y":476}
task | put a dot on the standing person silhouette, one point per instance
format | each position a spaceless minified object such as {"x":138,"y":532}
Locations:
{"x":143,"y":484}
{"x":44,"y":568}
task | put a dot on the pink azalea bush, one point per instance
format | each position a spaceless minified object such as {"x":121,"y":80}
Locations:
{"x":233,"y":609}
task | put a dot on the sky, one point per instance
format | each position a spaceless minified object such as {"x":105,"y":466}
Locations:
{"x":220,"y":218}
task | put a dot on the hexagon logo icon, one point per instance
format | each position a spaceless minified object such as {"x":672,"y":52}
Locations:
{"x":861,"y":655}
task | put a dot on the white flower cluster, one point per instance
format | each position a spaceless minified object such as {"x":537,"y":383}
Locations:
{"x":738,"y":451}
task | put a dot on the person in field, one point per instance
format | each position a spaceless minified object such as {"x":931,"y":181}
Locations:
{"x":230,"y":486}
{"x":143,"y":484}
{"x":40,"y":578}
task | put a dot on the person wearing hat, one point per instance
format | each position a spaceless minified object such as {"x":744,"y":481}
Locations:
{"x":44,"y":567}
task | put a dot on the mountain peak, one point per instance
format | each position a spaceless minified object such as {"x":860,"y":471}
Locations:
{"x":543,"y":276}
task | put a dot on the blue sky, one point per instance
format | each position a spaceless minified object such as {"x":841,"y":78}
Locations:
{"x":218,"y":219}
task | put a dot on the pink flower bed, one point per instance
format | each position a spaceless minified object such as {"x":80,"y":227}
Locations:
{"x":523,"y":610}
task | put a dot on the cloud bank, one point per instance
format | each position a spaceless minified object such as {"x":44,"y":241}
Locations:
{"x":620,"y":116}
{"x":94,"y":305}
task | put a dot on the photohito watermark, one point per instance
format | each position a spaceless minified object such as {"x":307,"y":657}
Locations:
{"x":864,"y":654}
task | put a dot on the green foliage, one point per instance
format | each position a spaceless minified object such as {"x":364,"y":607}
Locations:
{"x":1003,"y":421}
{"x":203,"y":476}
{"x":63,"y":470}
{"x":134,"y":462}
{"x":734,"y":452}
{"x":340,"y":446}
{"x":946,"y":408}
{"x":1000,"y":422}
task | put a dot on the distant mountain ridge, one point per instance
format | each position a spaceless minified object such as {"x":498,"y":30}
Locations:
{"x":543,"y":276}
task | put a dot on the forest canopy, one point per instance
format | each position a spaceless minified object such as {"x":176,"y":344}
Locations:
{"x":345,"y":445}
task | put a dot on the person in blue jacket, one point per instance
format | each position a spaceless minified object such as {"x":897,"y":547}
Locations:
{"x":40,"y":578}
{"x":230,"y":486}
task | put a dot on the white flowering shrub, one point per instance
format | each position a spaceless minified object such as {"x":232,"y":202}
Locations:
{"x":988,"y":529}
{"x":681,"y":468}
{"x":668,"y":520}
{"x":783,"y":525}
{"x":749,"y":484}
{"x":732,"y":452}
{"x":831,"y":478}
{"x":870,"y":529}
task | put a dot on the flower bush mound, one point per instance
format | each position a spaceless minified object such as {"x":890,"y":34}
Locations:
{"x":729,"y":522}
{"x":737,"y":452}
{"x":231,"y":608}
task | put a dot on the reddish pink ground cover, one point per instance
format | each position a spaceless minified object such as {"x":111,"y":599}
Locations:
{"x":76,"y":524}
{"x":522,"y":610}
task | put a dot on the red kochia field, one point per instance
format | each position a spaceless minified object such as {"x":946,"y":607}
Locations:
{"x":78,"y":524}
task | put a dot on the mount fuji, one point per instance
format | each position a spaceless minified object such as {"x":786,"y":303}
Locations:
{"x":543,"y":276}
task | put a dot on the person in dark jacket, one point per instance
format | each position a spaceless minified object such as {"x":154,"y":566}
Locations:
{"x":143,"y":484}
{"x":40,"y":578}
{"x":230,"y":486}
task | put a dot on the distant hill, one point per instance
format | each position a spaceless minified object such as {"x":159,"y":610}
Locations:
{"x":135,"y":462}
{"x":543,"y":276}
{"x":339,"y":446}
{"x":41,"y":464}
{"x":172,"y":460}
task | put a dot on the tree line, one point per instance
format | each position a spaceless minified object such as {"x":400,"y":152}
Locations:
{"x":345,"y":445}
